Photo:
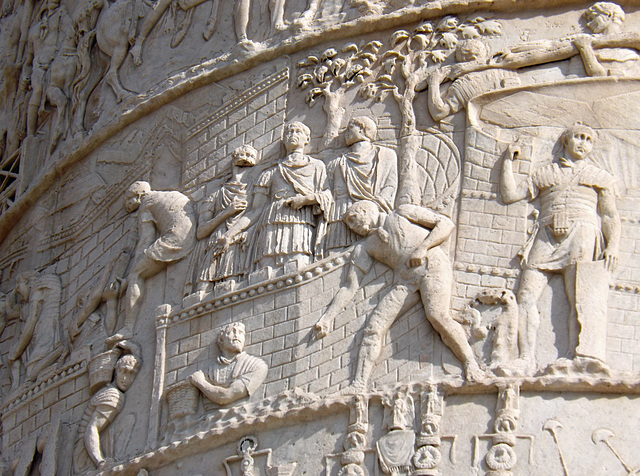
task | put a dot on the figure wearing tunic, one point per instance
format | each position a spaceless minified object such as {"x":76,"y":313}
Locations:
{"x":173,"y":217}
{"x":283,"y":230}
{"x":250,"y":370}
{"x":231,"y":263}
{"x":569,"y":229}
{"x":356,"y":177}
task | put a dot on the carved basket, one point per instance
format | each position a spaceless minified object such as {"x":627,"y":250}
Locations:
{"x":182,"y":399}
{"x":101,"y":369}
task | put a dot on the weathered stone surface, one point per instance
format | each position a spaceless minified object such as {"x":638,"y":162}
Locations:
{"x":341,"y":237}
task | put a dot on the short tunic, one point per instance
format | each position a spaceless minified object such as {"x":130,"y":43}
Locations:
{"x":173,"y":216}
{"x":569,"y":227}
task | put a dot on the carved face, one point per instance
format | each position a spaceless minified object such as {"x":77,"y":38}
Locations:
{"x":232,"y":339}
{"x":22,"y":288}
{"x":244,"y":158}
{"x":295,"y":137}
{"x":363,"y":221}
{"x":354,"y":133}
{"x":125,"y":375}
{"x":132,"y":201}
{"x":579,"y":145}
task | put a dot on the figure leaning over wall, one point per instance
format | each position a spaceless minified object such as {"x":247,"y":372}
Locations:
{"x":365,"y":172}
{"x":408,"y":240}
{"x":166,"y":234}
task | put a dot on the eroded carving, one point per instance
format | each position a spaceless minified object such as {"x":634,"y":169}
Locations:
{"x":408,"y":241}
{"x":39,"y":343}
{"x":220,"y":211}
{"x":578,"y":235}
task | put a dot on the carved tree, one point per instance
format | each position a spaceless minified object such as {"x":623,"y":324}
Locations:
{"x":331,"y":75}
{"x":411,"y":56}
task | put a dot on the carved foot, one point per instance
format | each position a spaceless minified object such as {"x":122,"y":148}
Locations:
{"x":517,"y":368}
{"x":209,"y":29}
{"x":321,"y":329}
{"x":136,"y":53}
{"x":474,"y":374}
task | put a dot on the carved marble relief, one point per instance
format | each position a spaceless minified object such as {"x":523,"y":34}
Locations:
{"x":384,"y":237}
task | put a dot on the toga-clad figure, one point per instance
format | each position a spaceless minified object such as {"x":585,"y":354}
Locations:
{"x":220,"y":211}
{"x":366,"y":172}
{"x":287,"y":199}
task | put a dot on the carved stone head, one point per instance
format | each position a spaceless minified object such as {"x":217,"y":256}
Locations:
{"x":231,"y":339}
{"x":362,"y":217}
{"x":296,"y":136}
{"x":245,"y":156}
{"x":133,"y":195}
{"x":359,"y":129}
{"x":471,"y":50}
{"x":578,"y":141}
{"x":605,"y":17}
{"x":23,"y":284}
{"x":126,"y":370}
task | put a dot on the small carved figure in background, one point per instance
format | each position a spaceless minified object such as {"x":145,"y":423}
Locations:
{"x":467,"y":85}
{"x":605,"y":20}
{"x":366,"y":172}
{"x":217,"y":215}
{"x":39,"y":342}
{"x":286,"y":200}
{"x":408,"y":241}
{"x":235,"y":374}
{"x":570,"y":232}
{"x":166,"y":234}
{"x":50,"y":62}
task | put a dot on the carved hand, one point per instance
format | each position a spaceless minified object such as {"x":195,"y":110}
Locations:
{"x":513,"y":151}
{"x":198,"y":379}
{"x":321,"y":329}
{"x":298,"y":201}
{"x":582,"y":41}
{"x":223,"y":244}
{"x":238,"y":206}
{"x":418,"y":257}
{"x":610,"y":259}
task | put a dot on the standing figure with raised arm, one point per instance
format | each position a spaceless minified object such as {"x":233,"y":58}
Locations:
{"x":287,"y":198}
{"x":366,"y":172}
{"x":578,"y":223}
{"x":166,"y":234}
{"x":408,"y":240}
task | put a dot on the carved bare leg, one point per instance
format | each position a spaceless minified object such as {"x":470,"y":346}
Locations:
{"x":532,"y":284}
{"x":435,"y":292}
{"x":384,"y":315}
{"x":112,"y":78}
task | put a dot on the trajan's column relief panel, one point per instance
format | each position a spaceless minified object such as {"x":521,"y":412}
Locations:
{"x":319,"y":237}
